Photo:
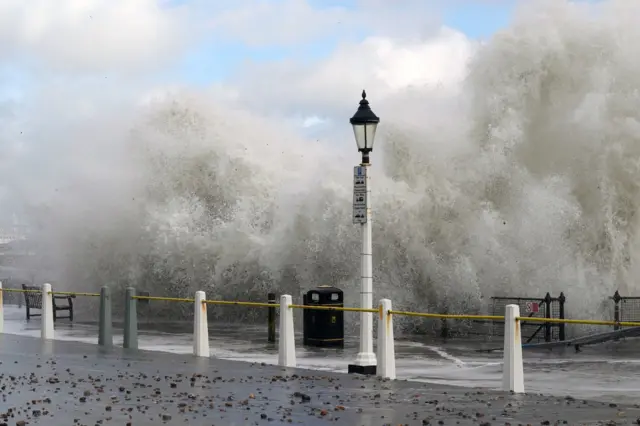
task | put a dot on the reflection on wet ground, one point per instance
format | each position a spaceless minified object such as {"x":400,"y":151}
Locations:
{"x":608,"y":371}
{"x":64,"y":382}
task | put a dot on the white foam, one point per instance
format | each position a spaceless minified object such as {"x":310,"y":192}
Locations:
{"x":444,"y":354}
{"x":523,"y":182}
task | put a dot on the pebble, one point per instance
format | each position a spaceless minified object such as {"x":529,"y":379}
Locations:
{"x":112,"y":390}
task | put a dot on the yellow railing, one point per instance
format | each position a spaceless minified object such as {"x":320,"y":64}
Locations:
{"x":164,"y":299}
{"x":523,"y":319}
{"x":210,"y":302}
{"x":55,"y":293}
{"x":334,"y":308}
{"x":448,"y":316}
{"x":238,"y":303}
{"x":19,"y":290}
{"x":578,"y":321}
{"x":373,"y":310}
{"x":255,"y":304}
{"x":73,"y":293}
{"x":346,"y":309}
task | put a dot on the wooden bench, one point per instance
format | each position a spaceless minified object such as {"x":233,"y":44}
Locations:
{"x":33,"y":300}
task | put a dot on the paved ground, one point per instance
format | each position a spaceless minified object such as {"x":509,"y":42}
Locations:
{"x":608,"y":371}
{"x":70,"y":383}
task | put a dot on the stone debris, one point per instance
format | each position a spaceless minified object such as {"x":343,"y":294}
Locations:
{"x":157,"y":388}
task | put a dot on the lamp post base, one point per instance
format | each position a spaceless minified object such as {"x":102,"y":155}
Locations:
{"x":365,"y":363}
{"x":368,"y":370}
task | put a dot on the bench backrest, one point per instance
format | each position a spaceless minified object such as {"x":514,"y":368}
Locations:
{"x":33,"y":298}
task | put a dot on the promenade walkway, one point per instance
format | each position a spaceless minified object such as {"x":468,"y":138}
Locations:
{"x":66,"y":383}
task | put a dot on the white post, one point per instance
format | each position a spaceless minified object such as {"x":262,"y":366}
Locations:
{"x":286,"y":341}
{"x":46,"y":331}
{"x":1,"y":309}
{"x":386,"y":345}
{"x":200,"y":326}
{"x":365,"y":362}
{"x":512,"y":368}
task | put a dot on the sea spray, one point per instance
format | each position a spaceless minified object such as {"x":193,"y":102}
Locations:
{"x":522,"y":181}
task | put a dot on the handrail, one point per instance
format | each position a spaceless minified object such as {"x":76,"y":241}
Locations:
{"x":449,"y":316}
{"x":73,"y":293}
{"x":512,"y":321}
{"x":348,"y":309}
{"x":165,"y":299}
{"x":60,"y":293}
{"x":334,"y":308}
{"x":578,"y":321}
{"x":239,"y":303}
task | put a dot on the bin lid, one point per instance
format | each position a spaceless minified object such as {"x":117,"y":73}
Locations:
{"x":325,"y":289}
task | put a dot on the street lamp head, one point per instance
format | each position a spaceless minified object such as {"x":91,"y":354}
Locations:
{"x":364,"y":123}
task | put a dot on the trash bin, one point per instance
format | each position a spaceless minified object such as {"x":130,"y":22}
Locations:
{"x":323,"y":328}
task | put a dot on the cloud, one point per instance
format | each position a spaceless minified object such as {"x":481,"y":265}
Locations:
{"x":93,"y":35}
{"x":398,"y":52}
{"x":311,"y":121}
{"x":385,"y":66}
{"x":94,"y":153}
{"x":263,"y":23}
{"x":295,"y":22}
{"x":387,"y":49}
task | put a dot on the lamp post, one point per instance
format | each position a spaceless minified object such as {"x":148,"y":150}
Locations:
{"x":364,"y":123}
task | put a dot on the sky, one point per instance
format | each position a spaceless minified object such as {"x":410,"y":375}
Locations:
{"x":239,"y":51}
{"x":67,"y":65}
{"x":215,"y":60}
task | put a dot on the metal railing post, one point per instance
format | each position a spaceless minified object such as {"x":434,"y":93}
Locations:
{"x":130,"y":320}
{"x":271,"y":318}
{"x":616,"y":309}
{"x":1,"y":310}
{"x":561,"y":300}
{"x":105,"y":330}
{"x":547,"y":325}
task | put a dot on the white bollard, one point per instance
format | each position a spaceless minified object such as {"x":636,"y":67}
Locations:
{"x":512,"y":368}
{"x":200,"y":326}
{"x":286,"y":341}
{"x":1,"y":309}
{"x":47,"y":312}
{"x":386,"y":346}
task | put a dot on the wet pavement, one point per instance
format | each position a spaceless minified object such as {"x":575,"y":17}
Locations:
{"x":65,"y":383}
{"x":604,"y":372}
